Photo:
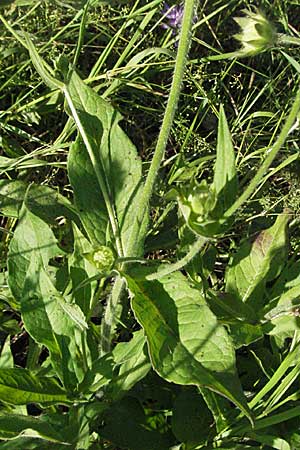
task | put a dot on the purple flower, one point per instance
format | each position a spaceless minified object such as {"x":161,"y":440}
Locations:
{"x":173,"y":16}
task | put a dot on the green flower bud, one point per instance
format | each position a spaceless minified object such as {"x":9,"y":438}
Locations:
{"x":198,"y":205}
{"x":257,"y":33}
{"x":102,"y":258}
{"x":202,"y":200}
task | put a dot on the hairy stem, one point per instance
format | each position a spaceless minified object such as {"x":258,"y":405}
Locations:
{"x":112,"y":312}
{"x":180,"y":65}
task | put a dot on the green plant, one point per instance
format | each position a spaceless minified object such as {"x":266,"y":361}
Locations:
{"x":160,"y":371}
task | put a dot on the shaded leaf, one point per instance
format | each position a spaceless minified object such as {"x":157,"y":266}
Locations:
{"x":14,"y":425}
{"x":191,"y":419}
{"x":41,"y":200}
{"x":81,"y":269}
{"x":125,"y":425}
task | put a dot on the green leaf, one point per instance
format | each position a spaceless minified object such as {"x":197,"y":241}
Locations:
{"x":52,"y":321}
{"x":243,"y":334}
{"x":292,"y":61}
{"x":33,"y":238}
{"x":14,"y":425}
{"x":282,"y":314}
{"x":225,"y":177}
{"x":104,"y":168}
{"x":186,"y":344}
{"x":258,"y":262}
{"x":41,"y":67}
{"x":20,"y":387}
{"x":288,"y":279}
{"x":270,"y":441}
{"x":219,"y":407}
{"x":133,"y":361}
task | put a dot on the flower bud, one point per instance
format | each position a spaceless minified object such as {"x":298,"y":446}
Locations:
{"x":201,"y":200}
{"x":102,"y":258}
{"x":257,"y":33}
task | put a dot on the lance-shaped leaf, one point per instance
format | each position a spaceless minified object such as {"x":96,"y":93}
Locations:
{"x":225,"y":177}
{"x":258,"y":262}
{"x":186,"y":344}
{"x":20,"y":387}
{"x":104,"y":168}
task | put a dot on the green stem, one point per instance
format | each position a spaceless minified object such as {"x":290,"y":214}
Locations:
{"x":284,"y":39}
{"x":112,"y":314}
{"x":169,"y":268}
{"x":180,"y":64}
{"x":269,"y":158}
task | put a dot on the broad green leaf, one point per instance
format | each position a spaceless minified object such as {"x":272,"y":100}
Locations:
{"x":11,"y":197}
{"x":243,"y":334}
{"x":270,"y":441}
{"x":258,"y":262}
{"x":289,"y":278}
{"x":225,"y":177}
{"x":186,"y":344}
{"x":59,"y":325}
{"x":20,"y":387}
{"x":104,"y":168}
{"x":219,"y":407}
{"x":14,"y":425}
{"x":32,"y":239}
{"x":229,"y":308}
{"x":29,"y":443}
{"x":282,"y":316}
